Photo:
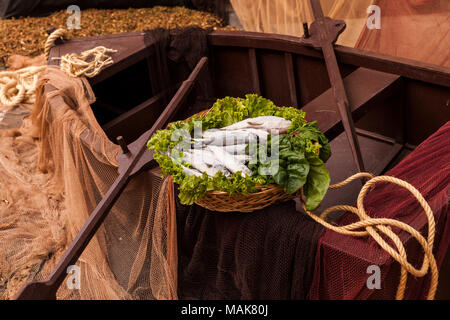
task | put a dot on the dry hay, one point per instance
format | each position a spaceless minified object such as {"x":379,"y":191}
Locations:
{"x":26,"y":36}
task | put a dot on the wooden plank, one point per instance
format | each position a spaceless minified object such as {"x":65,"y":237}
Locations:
{"x":365,"y":88}
{"x":145,"y":113}
{"x":374,"y":135}
{"x":404,"y":67}
{"x":291,"y":78}
{"x":254,"y":71}
{"x":130,"y":47}
{"x":113,"y":109}
{"x":382,"y":165}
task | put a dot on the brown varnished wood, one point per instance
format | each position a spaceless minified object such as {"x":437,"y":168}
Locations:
{"x":289,"y":62}
{"x":254,"y":70}
{"x":129,"y":164}
{"x":365,"y":89}
{"x":324,"y":33}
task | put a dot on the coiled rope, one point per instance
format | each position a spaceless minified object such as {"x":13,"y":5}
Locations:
{"x":55,"y":35}
{"x":19,"y":86}
{"x":374,"y":225}
{"x":88,"y":64}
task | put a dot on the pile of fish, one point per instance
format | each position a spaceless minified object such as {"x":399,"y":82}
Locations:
{"x":226,"y":150}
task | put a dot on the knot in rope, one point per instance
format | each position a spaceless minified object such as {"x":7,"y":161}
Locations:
{"x":88,"y":64}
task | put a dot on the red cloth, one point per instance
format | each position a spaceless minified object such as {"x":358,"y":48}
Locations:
{"x":342,"y":261}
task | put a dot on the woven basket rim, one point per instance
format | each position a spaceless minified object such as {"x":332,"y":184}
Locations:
{"x":264,"y":189}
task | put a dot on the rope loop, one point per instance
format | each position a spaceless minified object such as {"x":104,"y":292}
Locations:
{"x":88,"y":64}
{"x":19,"y":86}
{"x":374,"y":227}
{"x":58,"y":33}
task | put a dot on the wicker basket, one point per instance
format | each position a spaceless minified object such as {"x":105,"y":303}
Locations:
{"x":223,"y":202}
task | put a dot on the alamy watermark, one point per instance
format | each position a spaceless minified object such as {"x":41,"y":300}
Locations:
{"x":74,"y":279}
{"x":257,"y":145}
{"x":374,"y":280}
{"x":74,"y":21}
{"x":374,"y":20}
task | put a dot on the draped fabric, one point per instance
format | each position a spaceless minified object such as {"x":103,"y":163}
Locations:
{"x":266,"y":254}
{"x":287,"y":16}
{"x":342,"y":261}
{"x":413,"y":29}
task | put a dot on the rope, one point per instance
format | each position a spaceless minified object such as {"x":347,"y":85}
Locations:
{"x":374,"y":225}
{"x":58,"y":33}
{"x":19,"y":86}
{"x":88,"y":64}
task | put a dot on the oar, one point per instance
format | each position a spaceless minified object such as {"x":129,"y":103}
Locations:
{"x":132,"y":161}
{"x":323,"y":34}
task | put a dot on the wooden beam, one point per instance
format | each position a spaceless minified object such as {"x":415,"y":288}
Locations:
{"x":288,"y":60}
{"x":365,"y":89}
{"x":373,"y":60}
{"x":254,"y":71}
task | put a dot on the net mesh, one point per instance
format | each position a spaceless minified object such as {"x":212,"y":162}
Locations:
{"x":130,"y":256}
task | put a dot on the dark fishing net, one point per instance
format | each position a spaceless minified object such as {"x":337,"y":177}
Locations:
{"x":266,"y":254}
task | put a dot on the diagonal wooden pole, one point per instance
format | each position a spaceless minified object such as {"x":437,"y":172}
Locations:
{"x":46,"y":290}
{"x":324,"y":32}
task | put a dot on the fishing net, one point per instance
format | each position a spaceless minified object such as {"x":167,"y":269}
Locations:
{"x":266,"y":254}
{"x":57,"y":165}
{"x":414,"y":29}
{"x":131,"y":256}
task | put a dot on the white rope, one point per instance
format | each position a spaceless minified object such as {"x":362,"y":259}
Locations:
{"x":88,"y":64}
{"x":19,"y":86}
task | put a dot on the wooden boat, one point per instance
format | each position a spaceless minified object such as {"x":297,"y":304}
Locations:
{"x":395,"y":103}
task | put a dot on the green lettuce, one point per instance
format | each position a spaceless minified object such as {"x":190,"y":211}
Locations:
{"x":302,"y":152}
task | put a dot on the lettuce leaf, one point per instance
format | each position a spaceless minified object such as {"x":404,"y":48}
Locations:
{"x":316,"y":186}
{"x":299,"y":162}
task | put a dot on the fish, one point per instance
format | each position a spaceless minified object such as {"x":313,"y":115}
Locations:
{"x":236,"y":149}
{"x":267,"y":123}
{"x":241,"y":158}
{"x":205,"y":161}
{"x":228,"y":137}
{"x":191,"y":172}
{"x":229,"y":161}
{"x":262,"y":134}
{"x":186,"y":170}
